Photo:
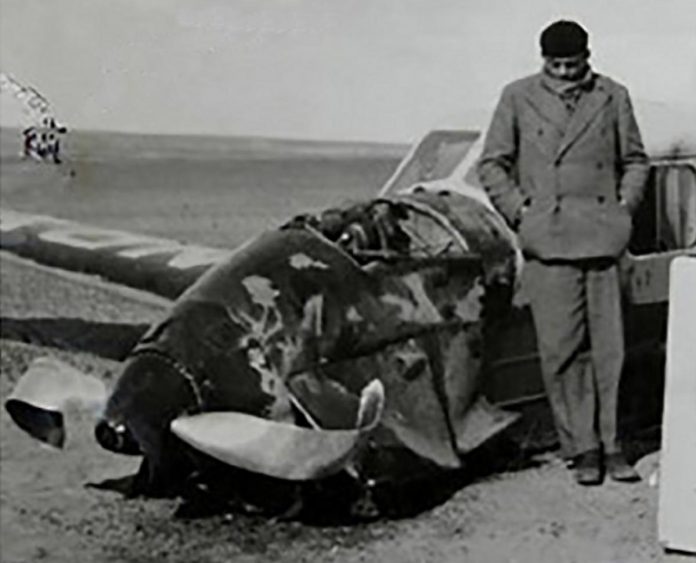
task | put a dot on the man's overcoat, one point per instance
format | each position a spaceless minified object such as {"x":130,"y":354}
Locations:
{"x":578,"y":177}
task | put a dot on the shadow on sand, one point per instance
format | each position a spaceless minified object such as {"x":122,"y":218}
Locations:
{"x":338,"y":500}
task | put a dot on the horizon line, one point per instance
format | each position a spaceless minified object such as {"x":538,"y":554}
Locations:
{"x":260,"y":137}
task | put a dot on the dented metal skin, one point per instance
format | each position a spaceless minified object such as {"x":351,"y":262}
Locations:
{"x":398,"y":289}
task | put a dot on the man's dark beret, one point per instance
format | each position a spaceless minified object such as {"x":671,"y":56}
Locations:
{"x":563,"y":39}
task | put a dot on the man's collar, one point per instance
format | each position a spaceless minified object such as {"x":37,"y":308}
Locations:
{"x":565,"y":87}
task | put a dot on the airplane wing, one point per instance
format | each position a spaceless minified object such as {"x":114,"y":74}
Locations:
{"x":157,"y":265}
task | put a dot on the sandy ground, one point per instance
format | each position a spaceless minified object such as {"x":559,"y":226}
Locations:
{"x":49,"y":513}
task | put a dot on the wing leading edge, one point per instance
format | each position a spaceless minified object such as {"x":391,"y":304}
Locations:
{"x":161,"y":266}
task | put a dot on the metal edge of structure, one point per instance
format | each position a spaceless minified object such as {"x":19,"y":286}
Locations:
{"x":677,"y":495}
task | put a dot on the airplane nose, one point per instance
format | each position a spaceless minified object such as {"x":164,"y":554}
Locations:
{"x":116,"y":438}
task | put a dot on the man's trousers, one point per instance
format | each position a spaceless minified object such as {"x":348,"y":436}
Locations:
{"x":576,"y":306}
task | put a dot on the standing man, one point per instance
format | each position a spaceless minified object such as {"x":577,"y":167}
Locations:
{"x":563,"y":162}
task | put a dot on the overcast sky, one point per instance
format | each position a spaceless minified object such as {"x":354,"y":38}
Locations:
{"x":327,"y":69}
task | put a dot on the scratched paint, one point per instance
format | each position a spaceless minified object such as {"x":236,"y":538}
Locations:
{"x":313,"y":311}
{"x":417,"y":309}
{"x":271,"y":383}
{"x":291,"y":353}
{"x":470,"y":308}
{"x":261,"y":331}
{"x":353,"y":315}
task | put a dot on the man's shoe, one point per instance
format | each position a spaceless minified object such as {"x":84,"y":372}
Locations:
{"x":588,"y":468}
{"x":619,"y":469}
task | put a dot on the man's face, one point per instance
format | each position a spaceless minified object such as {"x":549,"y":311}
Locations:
{"x":566,"y":68}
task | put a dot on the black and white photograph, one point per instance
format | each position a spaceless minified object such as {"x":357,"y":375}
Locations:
{"x":365,"y":281}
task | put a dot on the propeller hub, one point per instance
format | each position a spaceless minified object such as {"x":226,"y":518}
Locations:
{"x":116,"y":438}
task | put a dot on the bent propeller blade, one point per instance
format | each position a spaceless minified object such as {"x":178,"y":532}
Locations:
{"x":279,"y":449}
{"x":45,"y":391}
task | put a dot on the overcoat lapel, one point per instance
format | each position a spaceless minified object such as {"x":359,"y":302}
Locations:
{"x":550,"y":109}
{"x":588,"y":108}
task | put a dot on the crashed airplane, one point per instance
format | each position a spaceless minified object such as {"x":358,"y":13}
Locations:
{"x":370,"y":342}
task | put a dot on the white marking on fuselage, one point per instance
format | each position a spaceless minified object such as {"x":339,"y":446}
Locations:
{"x":353,"y":315}
{"x":262,"y":333}
{"x":301,"y":261}
{"x":261,"y":290}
